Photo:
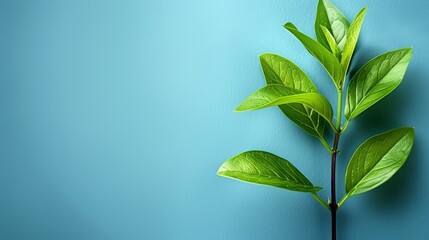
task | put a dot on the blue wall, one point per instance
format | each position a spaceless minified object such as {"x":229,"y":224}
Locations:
{"x":115,"y":115}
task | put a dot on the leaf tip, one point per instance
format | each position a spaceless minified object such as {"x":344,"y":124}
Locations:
{"x":408,"y":129}
{"x":289,"y":26}
{"x":408,"y":50}
{"x":262,"y":56}
{"x":239,"y":109}
{"x":362,"y":13}
{"x":221,"y":171}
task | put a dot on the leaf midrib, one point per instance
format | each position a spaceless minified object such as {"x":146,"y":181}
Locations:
{"x":268,"y":176}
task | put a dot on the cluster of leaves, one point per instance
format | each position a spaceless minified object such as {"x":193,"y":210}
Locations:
{"x":289,"y":88}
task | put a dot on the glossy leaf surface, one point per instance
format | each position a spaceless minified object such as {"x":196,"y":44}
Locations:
{"x":378,"y":159}
{"x":331,"y":42}
{"x":330,"y":17}
{"x":279,"y":70}
{"x":375,"y":80}
{"x":276,"y":94}
{"x":351,"y":39}
{"x":265,"y":168}
{"x":325,"y":57}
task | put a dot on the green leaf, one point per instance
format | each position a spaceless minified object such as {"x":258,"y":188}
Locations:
{"x":277,"y":94}
{"x":279,"y":70}
{"x":325,"y":57}
{"x":334,"y":21}
{"x":267,"y":169}
{"x":351,"y":39}
{"x":378,"y":159}
{"x":331,"y":41}
{"x":375,"y":80}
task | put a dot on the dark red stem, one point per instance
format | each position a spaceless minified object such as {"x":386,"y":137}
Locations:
{"x":333,"y":204}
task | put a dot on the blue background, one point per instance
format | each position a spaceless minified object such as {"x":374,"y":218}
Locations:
{"x":115,"y":115}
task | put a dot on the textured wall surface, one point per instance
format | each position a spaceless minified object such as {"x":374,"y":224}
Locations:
{"x":115,"y":115}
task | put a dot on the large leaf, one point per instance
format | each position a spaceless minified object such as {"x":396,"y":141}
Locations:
{"x":334,"y":21}
{"x":268,"y":169}
{"x":325,"y":57}
{"x":375,"y":80}
{"x":277,"y":94}
{"x":279,"y":70}
{"x":351,"y":39}
{"x":378,"y":159}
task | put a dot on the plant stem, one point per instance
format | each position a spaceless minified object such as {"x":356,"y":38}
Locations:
{"x":339,"y":110}
{"x":333,"y":206}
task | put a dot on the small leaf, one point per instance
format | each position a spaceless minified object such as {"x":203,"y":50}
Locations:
{"x":279,"y":70}
{"x":267,"y":169}
{"x":375,"y":80}
{"x":334,"y":21}
{"x":276,"y":94}
{"x":331,"y":41}
{"x":325,"y":57}
{"x":351,"y":40}
{"x":378,"y":159}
